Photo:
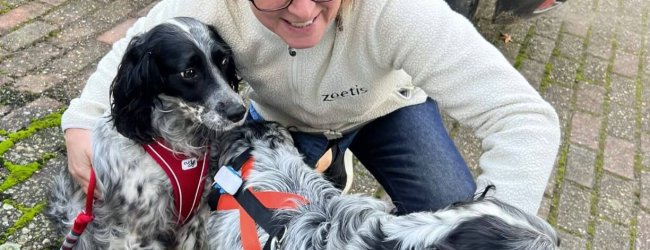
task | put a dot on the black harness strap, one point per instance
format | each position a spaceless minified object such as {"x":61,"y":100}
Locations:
{"x":260,"y":214}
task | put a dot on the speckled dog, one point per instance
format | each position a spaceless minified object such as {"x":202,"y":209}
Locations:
{"x":330,"y":220}
{"x":174,"y":86}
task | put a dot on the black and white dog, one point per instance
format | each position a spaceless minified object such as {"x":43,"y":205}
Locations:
{"x":174,"y":89}
{"x":330,"y":220}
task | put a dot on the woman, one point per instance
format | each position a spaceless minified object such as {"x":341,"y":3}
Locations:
{"x":369,"y":76}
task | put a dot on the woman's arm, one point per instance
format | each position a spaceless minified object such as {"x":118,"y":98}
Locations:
{"x":473,"y":83}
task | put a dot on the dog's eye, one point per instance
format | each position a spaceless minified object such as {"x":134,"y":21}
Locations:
{"x":188,"y":73}
{"x":225,"y":61}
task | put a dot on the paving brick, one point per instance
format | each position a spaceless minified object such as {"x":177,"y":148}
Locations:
{"x":619,"y":157}
{"x":571,"y":46}
{"x":595,"y":69}
{"x":509,"y":50}
{"x":645,"y":189}
{"x":8,"y":215}
{"x":548,"y":27}
{"x":24,"y":61}
{"x":37,"y":83}
{"x":645,"y":149}
{"x":585,"y":130}
{"x":54,"y":2}
{"x":560,"y":98}
{"x":144,"y":11}
{"x":518,"y":31}
{"x":622,"y":121}
{"x":626,"y":64}
{"x":79,"y":58}
{"x":71,"y":87}
{"x":646,"y":63}
{"x":611,"y":236}
{"x":20,"y":15}
{"x":470,"y":148}
{"x":580,"y":166}
{"x":544,"y":208}
{"x":645,"y":107}
{"x":27,"y":193}
{"x":600,"y":46}
{"x":3,"y":111}
{"x":533,"y":71}
{"x":590,"y":98}
{"x":632,"y":23}
{"x":114,"y":12}
{"x":574,"y":201}
{"x":117,"y":32}
{"x":39,"y":233}
{"x":71,"y":11}
{"x":577,"y":25}
{"x":3,"y":54}
{"x":15,"y":3}
{"x":77,"y":32}
{"x":617,"y":199}
{"x":563,"y":71}
{"x":26,"y":35}
{"x":21,"y":117}
{"x":623,"y":91}
{"x":552,"y":182}
{"x":572,"y":242}
{"x":630,"y":42}
{"x":576,"y":8}
{"x":540,"y":48}
{"x":608,"y":9}
{"x":643,"y":230}
{"x":634,"y":8}
{"x":5,"y":80}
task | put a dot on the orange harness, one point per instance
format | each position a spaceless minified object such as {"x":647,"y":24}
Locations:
{"x":268,"y":199}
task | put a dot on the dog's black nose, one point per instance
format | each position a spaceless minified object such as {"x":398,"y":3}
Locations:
{"x":235,"y":113}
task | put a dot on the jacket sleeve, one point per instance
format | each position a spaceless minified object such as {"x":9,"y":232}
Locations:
{"x":94,"y":100}
{"x":474,"y":83}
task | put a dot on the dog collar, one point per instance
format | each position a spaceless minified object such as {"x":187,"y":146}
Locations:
{"x":186,"y":174}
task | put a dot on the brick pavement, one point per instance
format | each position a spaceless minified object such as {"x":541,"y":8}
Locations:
{"x":590,"y":59}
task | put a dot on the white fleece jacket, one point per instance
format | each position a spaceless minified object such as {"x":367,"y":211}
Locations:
{"x":389,"y":54}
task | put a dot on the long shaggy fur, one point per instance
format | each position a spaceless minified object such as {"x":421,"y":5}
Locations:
{"x":331,"y":220}
{"x":175,"y":83}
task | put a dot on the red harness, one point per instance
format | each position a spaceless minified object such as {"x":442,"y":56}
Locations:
{"x":269,"y":199}
{"x":187,"y":175}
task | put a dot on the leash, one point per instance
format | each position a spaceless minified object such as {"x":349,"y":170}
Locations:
{"x":83,"y":218}
{"x":228,"y":193}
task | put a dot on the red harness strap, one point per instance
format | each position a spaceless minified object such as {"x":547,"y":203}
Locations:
{"x":187,"y":175}
{"x":270,"y":199}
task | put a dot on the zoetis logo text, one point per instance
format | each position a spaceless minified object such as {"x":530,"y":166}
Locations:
{"x":354,"y":91}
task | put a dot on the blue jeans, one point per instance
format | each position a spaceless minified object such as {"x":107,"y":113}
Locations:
{"x":409,"y":152}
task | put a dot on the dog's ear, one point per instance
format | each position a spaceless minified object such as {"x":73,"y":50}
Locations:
{"x":232,"y":76}
{"x":134,"y":91}
{"x":230,"y":67}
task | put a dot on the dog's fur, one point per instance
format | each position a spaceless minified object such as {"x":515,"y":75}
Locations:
{"x":175,"y":82}
{"x":331,"y":220}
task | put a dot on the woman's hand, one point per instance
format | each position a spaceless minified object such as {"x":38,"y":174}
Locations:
{"x":79,"y":147}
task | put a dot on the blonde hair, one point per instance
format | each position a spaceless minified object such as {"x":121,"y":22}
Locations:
{"x":344,"y":11}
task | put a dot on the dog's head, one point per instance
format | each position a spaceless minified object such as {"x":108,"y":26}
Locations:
{"x":491,"y":224}
{"x":182,"y":65}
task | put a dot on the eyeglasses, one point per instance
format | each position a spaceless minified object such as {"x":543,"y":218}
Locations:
{"x":275,"y":5}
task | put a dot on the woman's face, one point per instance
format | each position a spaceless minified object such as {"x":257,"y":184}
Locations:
{"x":302,"y":24}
